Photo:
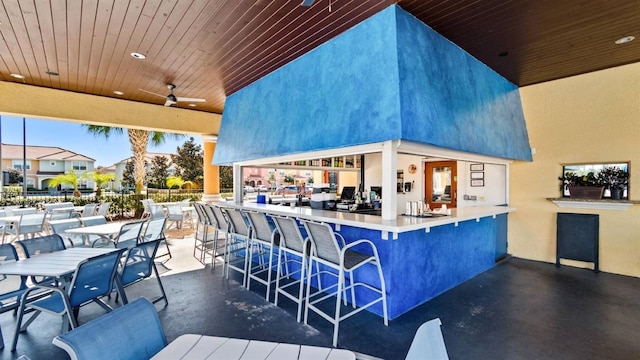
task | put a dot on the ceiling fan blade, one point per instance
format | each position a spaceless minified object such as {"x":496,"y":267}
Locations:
{"x":152,"y":93}
{"x":183,"y":99}
{"x":169,"y":102}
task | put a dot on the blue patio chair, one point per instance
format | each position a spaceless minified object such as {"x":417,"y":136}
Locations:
{"x":89,"y":210}
{"x":29,"y":225}
{"x":428,"y":342}
{"x":11,"y":286}
{"x":139,"y":265}
{"x":129,"y":234}
{"x":93,"y":279}
{"x":155,"y":231}
{"x":60,"y":227}
{"x":91,"y":221}
{"x":42,"y":245}
{"x":134,"y":332}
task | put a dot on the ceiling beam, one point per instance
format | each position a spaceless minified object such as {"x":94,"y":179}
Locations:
{"x":44,"y":103}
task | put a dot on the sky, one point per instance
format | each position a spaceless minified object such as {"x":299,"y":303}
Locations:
{"x":72,"y":136}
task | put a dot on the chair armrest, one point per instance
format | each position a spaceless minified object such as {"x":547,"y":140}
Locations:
{"x":358,"y":242}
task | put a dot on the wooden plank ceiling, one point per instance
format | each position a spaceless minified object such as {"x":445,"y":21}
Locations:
{"x":210,"y":49}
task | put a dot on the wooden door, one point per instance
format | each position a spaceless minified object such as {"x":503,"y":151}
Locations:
{"x":440,"y":181}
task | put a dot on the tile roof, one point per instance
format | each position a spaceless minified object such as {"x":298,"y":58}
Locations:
{"x":34,"y":152}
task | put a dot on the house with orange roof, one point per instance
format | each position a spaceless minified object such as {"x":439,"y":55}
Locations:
{"x":43,"y":163}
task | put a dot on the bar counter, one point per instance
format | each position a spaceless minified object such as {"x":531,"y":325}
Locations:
{"x":420,"y":257}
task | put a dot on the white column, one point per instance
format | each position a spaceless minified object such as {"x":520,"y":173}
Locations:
{"x":237,"y":184}
{"x":389,"y":173}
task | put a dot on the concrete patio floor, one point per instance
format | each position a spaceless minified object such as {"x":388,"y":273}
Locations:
{"x":517,"y":310}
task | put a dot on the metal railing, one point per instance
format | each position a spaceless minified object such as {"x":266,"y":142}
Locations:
{"x":123,"y":204}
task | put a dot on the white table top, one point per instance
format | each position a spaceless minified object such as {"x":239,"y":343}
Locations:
{"x":56,"y":264}
{"x":108,"y":229}
{"x":10,"y":219}
{"x":72,"y":208}
{"x":195,"y":347}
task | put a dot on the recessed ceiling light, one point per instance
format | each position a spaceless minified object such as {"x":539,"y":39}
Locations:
{"x":503,"y":54}
{"x":193,"y":105}
{"x":17,"y":76}
{"x":118,"y":92}
{"x":52,"y":73}
{"x":624,"y":40}
{"x":139,"y":56}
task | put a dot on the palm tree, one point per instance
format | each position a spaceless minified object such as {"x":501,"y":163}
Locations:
{"x":139,"y":139}
{"x":100,"y":179}
{"x":177,"y":181}
{"x":68,"y":178}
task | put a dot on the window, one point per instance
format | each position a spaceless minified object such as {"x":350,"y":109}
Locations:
{"x":79,"y":165}
{"x":82,"y":184}
{"x":613,"y":178}
{"x":17,"y":164}
{"x":31,"y":183}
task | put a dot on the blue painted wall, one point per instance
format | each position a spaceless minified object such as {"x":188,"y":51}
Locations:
{"x":450,"y":99}
{"x":420,"y":266}
{"x":390,"y":77}
{"x":342,"y":93}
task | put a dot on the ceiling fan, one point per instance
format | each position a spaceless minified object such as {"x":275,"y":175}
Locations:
{"x":172,"y":99}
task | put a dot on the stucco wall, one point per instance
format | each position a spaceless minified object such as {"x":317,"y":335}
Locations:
{"x":588,"y":118}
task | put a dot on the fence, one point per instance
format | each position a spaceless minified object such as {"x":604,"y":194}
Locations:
{"x":124,"y":205}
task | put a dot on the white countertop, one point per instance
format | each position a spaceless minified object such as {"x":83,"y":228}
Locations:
{"x":399,"y":225}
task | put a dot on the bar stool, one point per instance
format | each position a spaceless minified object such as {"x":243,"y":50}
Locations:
{"x":262,"y":243}
{"x":221,"y":227}
{"x":326,"y":251}
{"x":237,"y":244}
{"x":293,"y":244}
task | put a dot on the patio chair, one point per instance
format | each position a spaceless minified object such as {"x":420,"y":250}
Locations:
{"x":176,"y":215}
{"x":343,"y":261}
{"x":17,"y":211}
{"x":146,"y":211}
{"x":139,"y":265}
{"x":428,"y":342}
{"x":91,"y":221}
{"x":29,"y":225}
{"x":11,"y":286}
{"x":129,"y":234}
{"x":60,"y":227}
{"x":237,"y":244}
{"x":264,"y":239}
{"x":156,"y":212}
{"x":42,"y":245}
{"x":220,"y":224}
{"x":294,"y":249}
{"x":155,"y":231}
{"x":135,"y":332}
{"x":93,"y":279}
{"x":60,"y":214}
{"x":89,"y":210}
{"x":103,"y":209}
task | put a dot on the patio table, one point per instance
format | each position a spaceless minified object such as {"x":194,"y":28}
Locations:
{"x":196,"y":347}
{"x":58,"y":264}
{"x":107,"y":231}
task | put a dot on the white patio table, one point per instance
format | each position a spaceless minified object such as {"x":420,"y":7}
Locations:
{"x":196,"y":347}
{"x":58,"y":264}
{"x":107,"y":231}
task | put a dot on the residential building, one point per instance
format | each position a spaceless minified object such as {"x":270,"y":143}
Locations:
{"x":119,"y":167}
{"x":43,"y":163}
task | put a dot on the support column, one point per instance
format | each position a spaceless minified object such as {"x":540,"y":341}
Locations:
{"x":211,"y":182}
{"x":389,"y":178}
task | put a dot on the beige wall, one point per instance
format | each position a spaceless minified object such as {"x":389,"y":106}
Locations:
{"x":588,"y":118}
